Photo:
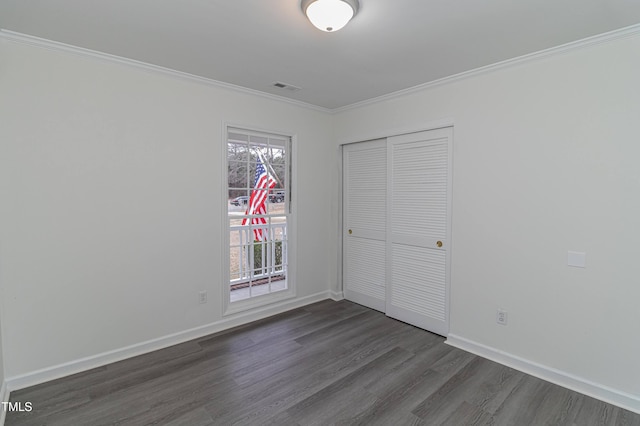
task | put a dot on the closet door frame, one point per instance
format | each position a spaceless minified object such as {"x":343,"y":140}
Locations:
{"x":434,"y":125}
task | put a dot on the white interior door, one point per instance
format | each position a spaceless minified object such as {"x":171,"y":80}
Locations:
{"x":418,"y":229}
{"x":365,"y":221}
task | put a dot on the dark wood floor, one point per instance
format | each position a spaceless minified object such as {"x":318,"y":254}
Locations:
{"x":327,"y":363}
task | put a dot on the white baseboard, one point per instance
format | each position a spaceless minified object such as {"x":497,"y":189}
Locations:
{"x":4,"y":396}
{"x":612,"y":396}
{"x":336,"y":295}
{"x":84,"y":364}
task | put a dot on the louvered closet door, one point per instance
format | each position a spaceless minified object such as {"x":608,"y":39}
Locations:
{"x":418,"y":229}
{"x":364,"y":233}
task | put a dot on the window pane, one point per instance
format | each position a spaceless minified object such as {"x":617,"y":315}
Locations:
{"x":238,"y":200}
{"x":237,"y":137}
{"x":279,"y":228}
{"x":279,"y":171}
{"x":276,"y":202}
{"x":237,"y":152}
{"x":238,"y":176}
{"x":258,"y":140}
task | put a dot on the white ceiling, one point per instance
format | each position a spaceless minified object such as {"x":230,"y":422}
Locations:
{"x":389,"y":46}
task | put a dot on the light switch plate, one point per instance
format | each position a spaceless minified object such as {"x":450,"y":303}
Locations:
{"x":577,"y":259}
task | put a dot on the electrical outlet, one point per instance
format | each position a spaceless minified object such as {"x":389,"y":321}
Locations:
{"x":501,"y":317}
{"x":202,"y":297}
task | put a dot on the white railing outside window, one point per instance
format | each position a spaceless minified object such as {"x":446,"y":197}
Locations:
{"x":257,"y":262}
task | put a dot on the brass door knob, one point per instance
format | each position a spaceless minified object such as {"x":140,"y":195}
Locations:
{"x":439,"y":243}
{"x":350,"y":232}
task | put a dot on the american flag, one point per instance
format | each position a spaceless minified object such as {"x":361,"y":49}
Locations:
{"x":262,"y":184}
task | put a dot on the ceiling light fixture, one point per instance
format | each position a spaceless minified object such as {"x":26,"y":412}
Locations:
{"x":330,"y":15}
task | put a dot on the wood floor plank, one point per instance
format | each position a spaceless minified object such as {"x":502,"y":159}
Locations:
{"x":195,"y":417}
{"x":411,"y":370}
{"x":327,"y":363}
{"x":462,"y":386}
{"x":524,"y":403}
{"x":339,"y":408}
{"x":343,"y":330}
{"x":491,"y":394}
{"x":468,"y":414}
{"x":594,"y":412}
{"x":288,"y":387}
{"x":348,"y":391}
{"x":400,"y":402}
{"x":315,"y":354}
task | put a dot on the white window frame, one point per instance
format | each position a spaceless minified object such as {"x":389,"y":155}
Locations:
{"x":228,"y":307}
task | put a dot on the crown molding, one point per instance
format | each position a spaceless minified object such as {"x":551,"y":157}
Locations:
{"x":630,"y":31}
{"x":20,"y":38}
{"x":607,"y":37}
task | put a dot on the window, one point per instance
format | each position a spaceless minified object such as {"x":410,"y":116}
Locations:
{"x":258,"y":213}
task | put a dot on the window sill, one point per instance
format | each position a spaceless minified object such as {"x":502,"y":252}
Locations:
{"x":258,"y":301}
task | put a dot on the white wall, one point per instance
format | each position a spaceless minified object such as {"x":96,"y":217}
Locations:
{"x":1,"y":350}
{"x":110,"y":223}
{"x":545,"y":160}
{"x":111,"y":184}
{"x":4,"y":395}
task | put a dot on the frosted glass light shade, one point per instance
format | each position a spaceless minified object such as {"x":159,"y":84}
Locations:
{"x":330,"y":15}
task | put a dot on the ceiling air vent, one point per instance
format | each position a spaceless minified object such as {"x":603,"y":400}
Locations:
{"x":285,"y":86}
